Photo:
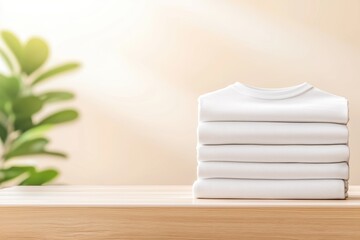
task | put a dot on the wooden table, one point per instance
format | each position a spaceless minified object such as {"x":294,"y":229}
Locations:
{"x":168,"y":212}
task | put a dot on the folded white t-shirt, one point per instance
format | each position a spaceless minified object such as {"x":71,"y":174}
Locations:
{"x":273,"y":170}
{"x":302,"y":103}
{"x":271,"y":133}
{"x":274,"y":153}
{"x":272,"y":189}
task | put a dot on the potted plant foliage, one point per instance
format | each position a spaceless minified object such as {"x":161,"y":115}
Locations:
{"x":20,"y":133}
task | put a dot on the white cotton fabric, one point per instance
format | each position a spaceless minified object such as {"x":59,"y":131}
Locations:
{"x":270,"y":189}
{"x":286,"y":143}
{"x":302,"y":103}
{"x":271,"y":133}
{"x":273,"y":170}
{"x":274,"y":153}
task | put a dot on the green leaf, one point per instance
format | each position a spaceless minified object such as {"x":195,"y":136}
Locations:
{"x":40,"y":178}
{"x":56,"y":71}
{"x":35,"y":55}
{"x":14,"y":172}
{"x":6,"y":60}
{"x":50,"y":97}
{"x":14,"y":44}
{"x":34,"y":146}
{"x":55,"y":154}
{"x":9,"y":87}
{"x":60,"y":117}
{"x":33,"y":133}
{"x":23,"y":124}
{"x":26,"y":106}
{"x":3,"y":133}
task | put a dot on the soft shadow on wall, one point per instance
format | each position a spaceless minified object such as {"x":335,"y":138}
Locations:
{"x":145,"y":63}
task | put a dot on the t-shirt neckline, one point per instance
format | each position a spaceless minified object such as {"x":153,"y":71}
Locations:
{"x":272,"y":93}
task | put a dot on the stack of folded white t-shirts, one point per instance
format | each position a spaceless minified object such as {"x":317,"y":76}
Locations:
{"x":287,"y":143}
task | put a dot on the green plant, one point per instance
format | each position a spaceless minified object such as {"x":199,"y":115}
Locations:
{"x":21,"y":135}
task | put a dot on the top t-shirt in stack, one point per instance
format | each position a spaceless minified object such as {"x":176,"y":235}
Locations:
{"x":301,"y":103}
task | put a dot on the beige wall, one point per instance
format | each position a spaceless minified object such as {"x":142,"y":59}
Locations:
{"x":146,"y":62}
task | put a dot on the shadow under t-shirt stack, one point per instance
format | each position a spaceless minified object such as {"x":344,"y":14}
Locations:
{"x":287,"y":143}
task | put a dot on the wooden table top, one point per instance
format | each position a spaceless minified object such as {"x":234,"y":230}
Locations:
{"x":168,"y":212}
{"x":145,"y":196}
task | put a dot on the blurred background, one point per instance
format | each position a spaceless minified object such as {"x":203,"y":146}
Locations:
{"x":146,"y":62}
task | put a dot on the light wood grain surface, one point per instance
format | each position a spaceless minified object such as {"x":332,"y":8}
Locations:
{"x":146,"y":196}
{"x":168,"y":212}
